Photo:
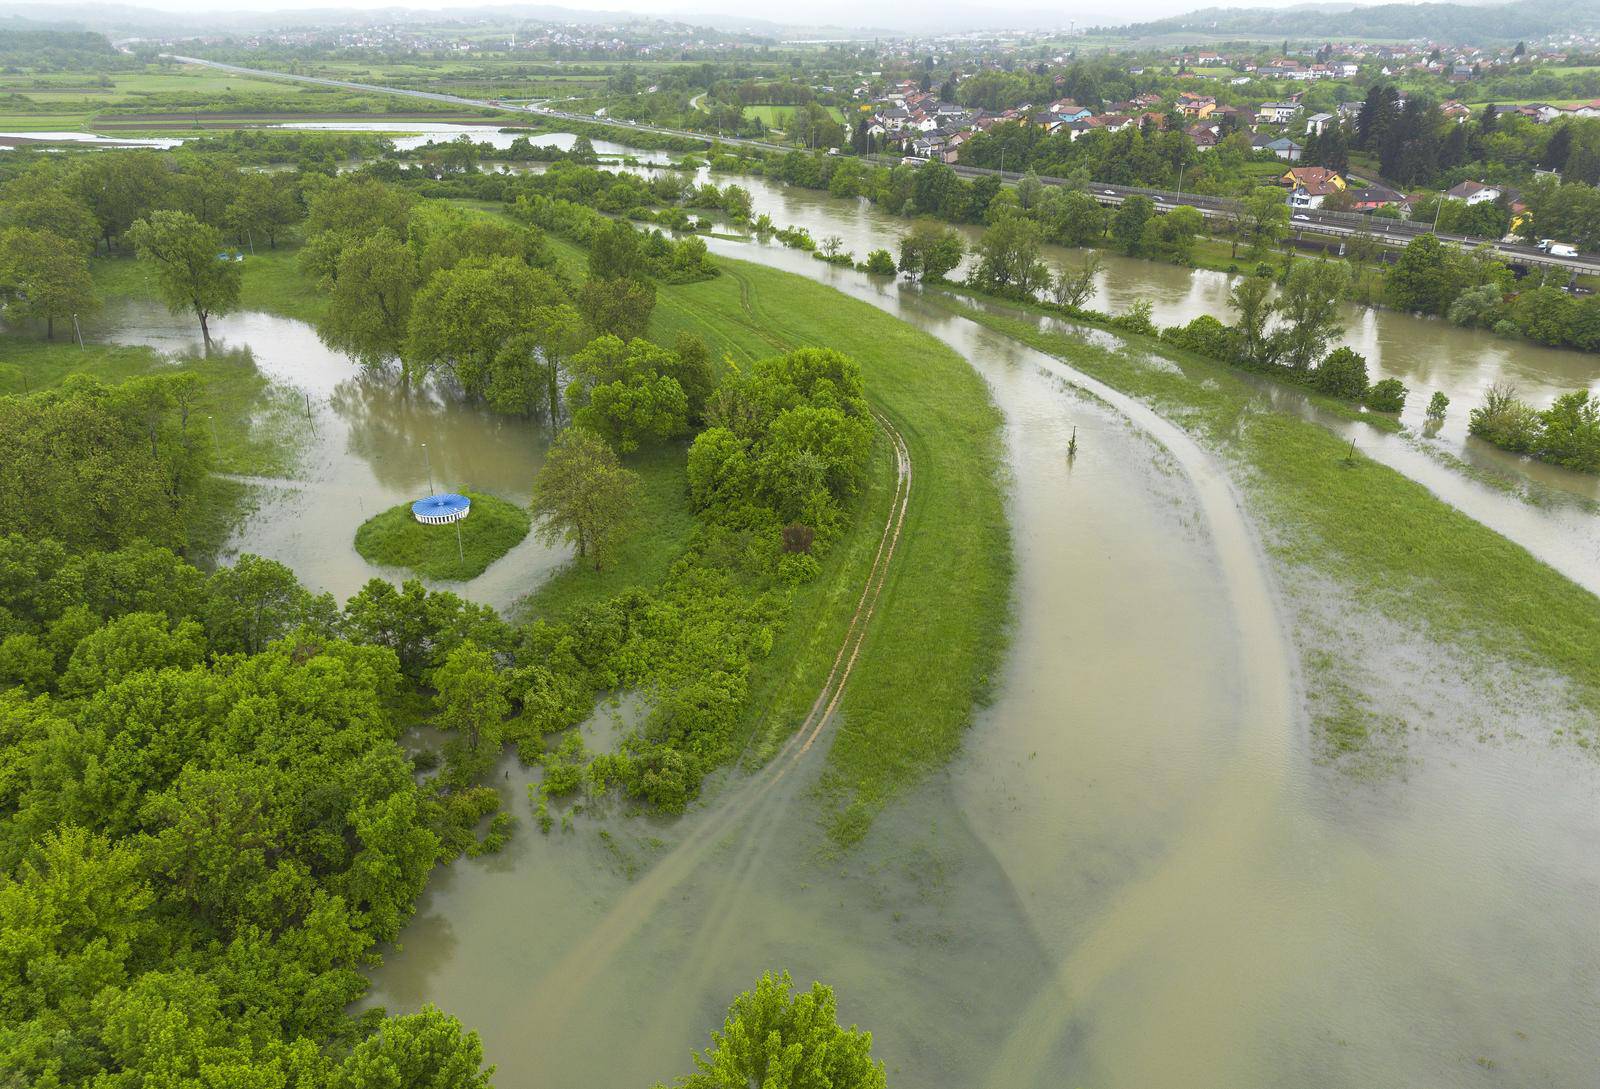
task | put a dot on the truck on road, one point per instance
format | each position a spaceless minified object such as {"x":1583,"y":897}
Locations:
{"x":1558,"y":249}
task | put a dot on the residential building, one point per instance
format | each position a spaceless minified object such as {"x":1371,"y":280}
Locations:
{"x":1277,"y":113}
{"x":1309,"y":186}
{"x":1281,"y":146}
{"x":1372,"y":197}
{"x":1474,"y":192}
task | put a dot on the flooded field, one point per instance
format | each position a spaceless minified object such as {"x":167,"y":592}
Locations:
{"x":1136,"y":874}
{"x":361,"y":453}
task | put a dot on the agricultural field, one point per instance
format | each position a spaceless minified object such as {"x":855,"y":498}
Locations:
{"x":778,"y":117}
{"x":166,"y":96}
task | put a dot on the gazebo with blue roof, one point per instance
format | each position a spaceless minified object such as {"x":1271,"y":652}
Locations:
{"x":441,"y":509}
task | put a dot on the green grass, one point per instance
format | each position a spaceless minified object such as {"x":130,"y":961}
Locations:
{"x":661,"y":527}
{"x":778,"y":117}
{"x":939,"y":631}
{"x":396,"y":539}
{"x":1385,"y":538}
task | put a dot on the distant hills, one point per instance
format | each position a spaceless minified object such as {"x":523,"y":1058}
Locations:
{"x":1520,"y":20}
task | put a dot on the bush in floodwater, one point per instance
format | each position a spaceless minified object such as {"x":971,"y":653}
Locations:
{"x":1571,"y":432}
{"x":1387,"y":396}
{"x":1505,"y":420}
{"x":1344,"y":374}
{"x":803,"y":1029}
{"x":880,"y":263}
{"x":1437,"y":406}
{"x":1136,"y":320}
{"x":1206,"y":336}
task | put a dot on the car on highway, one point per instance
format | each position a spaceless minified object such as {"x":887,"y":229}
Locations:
{"x":1111,"y":192}
{"x":1306,"y":218}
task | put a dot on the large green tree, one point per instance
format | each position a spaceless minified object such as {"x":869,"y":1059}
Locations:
{"x":776,"y":1039}
{"x":43,"y":277}
{"x":583,"y":495}
{"x":463,"y":317}
{"x":191,"y":271}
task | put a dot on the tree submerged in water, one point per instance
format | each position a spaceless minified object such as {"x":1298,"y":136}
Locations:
{"x":779,"y":1040}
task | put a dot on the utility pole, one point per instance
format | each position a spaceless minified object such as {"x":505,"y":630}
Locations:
{"x":429,"y":463}
{"x":78,"y":330}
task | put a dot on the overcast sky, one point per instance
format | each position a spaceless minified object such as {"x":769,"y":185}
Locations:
{"x":919,"y":13}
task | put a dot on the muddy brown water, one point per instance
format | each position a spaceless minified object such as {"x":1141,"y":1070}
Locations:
{"x":1135,"y":874}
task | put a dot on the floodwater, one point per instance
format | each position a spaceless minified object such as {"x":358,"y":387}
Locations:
{"x":361,"y":452}
{"x":1135,"y":875}
{"x":1552,"y":512}
{"x":409,"y":135}
{"x":86,"y":138}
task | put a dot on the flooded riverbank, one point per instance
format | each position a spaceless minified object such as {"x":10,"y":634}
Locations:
{"x":1426,"y":354}
{"x":360,"y":452}
{"x":1136,"y":874}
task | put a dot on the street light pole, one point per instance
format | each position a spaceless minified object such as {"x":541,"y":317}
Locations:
{"x":429,"y":463}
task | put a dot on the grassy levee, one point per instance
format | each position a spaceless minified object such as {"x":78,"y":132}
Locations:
{"x":939,"y":629}
{"x":1386,"y":539}
{"x":492,"y":528}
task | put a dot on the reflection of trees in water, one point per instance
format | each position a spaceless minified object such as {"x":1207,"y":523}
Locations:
{"x":468,"y":446}
{"x":431,"y":945}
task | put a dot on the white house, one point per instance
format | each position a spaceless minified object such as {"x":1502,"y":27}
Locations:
{"x":1474,"y":193}
{"x":1317,"y":122}
{"x":1277,"y":113}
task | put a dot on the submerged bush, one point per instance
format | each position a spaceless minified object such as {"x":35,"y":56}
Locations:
{"x":1206,"y":336}
{"x":1571,"y":432}
{"x":1344,"y":374}
{"x":1387,"y":396}
{"x":1505,"y":420}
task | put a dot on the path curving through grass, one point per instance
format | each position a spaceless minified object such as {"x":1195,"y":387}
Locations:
{"x":755,"y":805}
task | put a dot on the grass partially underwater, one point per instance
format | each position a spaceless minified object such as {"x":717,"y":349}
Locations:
{"x":270,"y":280}
{"x":939,"y":630}
{"x":253,"y":425}
{"x":1385,"y":538}
{"x":459,"y":551}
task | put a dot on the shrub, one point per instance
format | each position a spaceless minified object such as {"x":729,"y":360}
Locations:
{"x":1387,"y":396}
{"x":1136,"y":320}
{"x":1571,"y":432}
{"x":1206,"y":336}
{"x":798,"y":567}
{"x":1437,"y":406}
{"x":1505,"y":420}
{"x":1344,"y":374}
{"x":880,"y":263}
{"x":1476,"y":307}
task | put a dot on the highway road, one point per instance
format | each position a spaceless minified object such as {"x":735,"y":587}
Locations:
{"x":1394,"y":232}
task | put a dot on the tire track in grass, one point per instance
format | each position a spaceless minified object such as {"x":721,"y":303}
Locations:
{"x":754,"y":806}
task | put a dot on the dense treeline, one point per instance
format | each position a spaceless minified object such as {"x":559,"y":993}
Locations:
{"x":1474,"y":289}
{"x":61,"y":51}
{"x":206,"y":824}
{"x":99,"y":466}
